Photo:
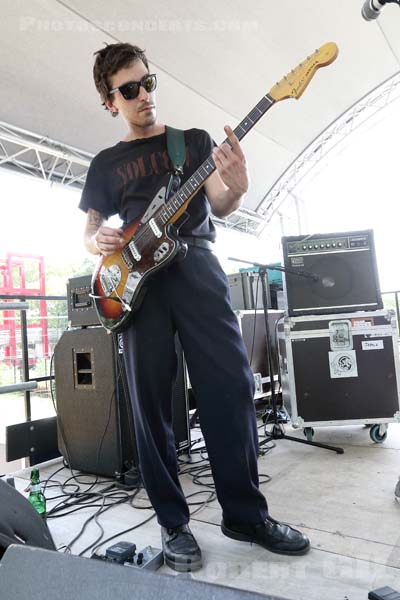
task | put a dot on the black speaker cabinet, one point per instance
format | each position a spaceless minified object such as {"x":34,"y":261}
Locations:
{"x":95,"y":421}
{"x":341,"y":273}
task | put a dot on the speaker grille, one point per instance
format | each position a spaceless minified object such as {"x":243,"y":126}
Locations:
{"x":329,"y":273}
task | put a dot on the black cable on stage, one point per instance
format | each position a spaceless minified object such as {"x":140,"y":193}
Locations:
{"x":78,"y":535}
{"x":94,"y":517}
{"x":112,"y":537}
{"x":85,"y":499}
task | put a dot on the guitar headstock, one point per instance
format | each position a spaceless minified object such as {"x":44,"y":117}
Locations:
{"x":295,"y":82}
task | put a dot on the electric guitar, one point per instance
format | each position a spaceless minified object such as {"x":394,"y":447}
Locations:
{"x":119,"y":281}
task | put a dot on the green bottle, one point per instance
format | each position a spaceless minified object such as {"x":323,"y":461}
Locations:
{"x":36,"y":496}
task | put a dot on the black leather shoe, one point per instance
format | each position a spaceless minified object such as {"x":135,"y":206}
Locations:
{"x":181,"y":551}
{"x":272,"y":535}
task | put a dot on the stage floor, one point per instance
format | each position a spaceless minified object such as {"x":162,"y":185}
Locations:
{"x":345,"y":503}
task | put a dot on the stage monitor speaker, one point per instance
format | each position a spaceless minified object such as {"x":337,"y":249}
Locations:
{"x":35,"y":573}
{"x":95,"y":421}
{"x":19,"y":522}
{"x":343,"y":273}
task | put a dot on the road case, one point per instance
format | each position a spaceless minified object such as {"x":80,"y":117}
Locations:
{"x":341,"y":369}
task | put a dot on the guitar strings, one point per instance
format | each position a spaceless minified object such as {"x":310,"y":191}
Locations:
{"x":146,"y":233}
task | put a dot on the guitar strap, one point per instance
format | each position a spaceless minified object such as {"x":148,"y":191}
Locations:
{"x":176,"y":148}
{"x":177,"y":154}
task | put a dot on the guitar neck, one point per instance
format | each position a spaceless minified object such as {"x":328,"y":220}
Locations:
{"x":197,"y":180}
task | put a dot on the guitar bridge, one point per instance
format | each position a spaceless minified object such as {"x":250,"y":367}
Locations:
{"x":110,"y":278}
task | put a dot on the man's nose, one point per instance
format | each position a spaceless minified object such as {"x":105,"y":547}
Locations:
{"x":143,"y":94}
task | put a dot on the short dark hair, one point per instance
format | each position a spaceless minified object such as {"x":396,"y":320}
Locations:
{"x":111,"y":59}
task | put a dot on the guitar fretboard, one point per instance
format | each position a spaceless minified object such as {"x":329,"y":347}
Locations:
{"x":198,"y":178}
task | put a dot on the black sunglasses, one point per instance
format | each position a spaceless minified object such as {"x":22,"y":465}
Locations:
{"x":131,"y":89}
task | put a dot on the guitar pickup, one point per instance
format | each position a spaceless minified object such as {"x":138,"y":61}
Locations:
{"x":155,"y":228}
{"x":110,"y":278}
{"x":134,"y":251}
{"x":127,"y":257}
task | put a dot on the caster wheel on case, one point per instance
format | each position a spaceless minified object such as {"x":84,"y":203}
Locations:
{"x":309,"y":433}
{"x":376,"y":436}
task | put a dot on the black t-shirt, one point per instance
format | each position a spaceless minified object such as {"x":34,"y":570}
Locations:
{"x":125,"y":178}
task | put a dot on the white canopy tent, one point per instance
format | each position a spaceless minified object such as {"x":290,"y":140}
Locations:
{"x":214,"y":61}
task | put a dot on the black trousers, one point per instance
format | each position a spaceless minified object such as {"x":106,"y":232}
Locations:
{"x":192,"y":297}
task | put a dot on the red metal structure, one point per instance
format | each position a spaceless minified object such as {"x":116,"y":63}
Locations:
{"x":13,"y":282}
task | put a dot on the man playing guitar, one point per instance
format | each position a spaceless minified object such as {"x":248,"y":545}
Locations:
{"x":190,"y":296}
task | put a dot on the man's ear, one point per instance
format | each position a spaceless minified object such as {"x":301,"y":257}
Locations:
{"x":110,"y":106}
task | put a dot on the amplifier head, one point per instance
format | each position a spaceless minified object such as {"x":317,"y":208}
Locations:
{"x":81,"y":308}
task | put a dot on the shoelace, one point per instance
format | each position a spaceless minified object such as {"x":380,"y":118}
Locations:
{"x":175,"y":532}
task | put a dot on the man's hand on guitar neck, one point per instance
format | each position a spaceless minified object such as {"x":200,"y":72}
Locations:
{"x":226,"y":187}
{"x":100,"y":239}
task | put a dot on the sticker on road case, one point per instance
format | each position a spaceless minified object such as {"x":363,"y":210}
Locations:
{"x":340,"y":335}
{"x":372,"y":345}
{"x":363,"y":322}
{"x":343,"y":364}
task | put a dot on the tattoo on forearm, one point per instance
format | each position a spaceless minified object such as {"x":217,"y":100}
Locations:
{"x":93,"y":222}
{"x":95,"y":218}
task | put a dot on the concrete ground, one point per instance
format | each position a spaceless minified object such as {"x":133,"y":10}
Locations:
{"x":345,"y":504}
